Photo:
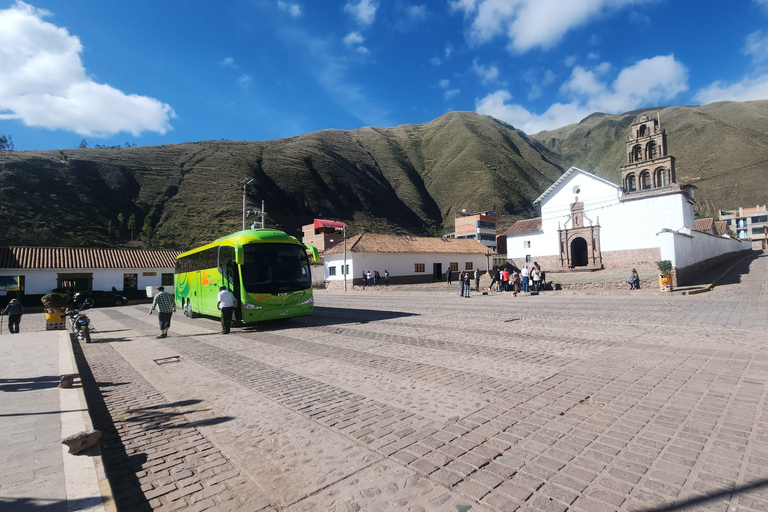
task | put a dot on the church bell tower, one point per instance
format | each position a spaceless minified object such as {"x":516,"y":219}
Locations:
{"x":649,"y":169}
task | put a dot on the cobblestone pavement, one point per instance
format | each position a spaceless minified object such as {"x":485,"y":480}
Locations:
{"x":422,"y":401}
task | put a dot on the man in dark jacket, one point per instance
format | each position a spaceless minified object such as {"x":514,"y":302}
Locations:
{"x":15,"y":311}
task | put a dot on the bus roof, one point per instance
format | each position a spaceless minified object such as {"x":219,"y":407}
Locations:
{"x":248,"y":236}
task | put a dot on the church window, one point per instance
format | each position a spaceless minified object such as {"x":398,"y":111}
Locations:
{"x":637,"y":154}
{"x":631,"y":185}
{"x":645,"y":180}
{"x":641,"y":131}
{"x":661,"y":178}
{"x":651,"y":150}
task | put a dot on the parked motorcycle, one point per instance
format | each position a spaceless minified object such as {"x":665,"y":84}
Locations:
{"x":79,"y":323}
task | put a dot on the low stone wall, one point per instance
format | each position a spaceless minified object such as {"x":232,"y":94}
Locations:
{"x":617,"y":285}
{"x":611,"y":259}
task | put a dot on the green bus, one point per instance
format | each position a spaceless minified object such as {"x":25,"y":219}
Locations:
{"x":267,"y":270}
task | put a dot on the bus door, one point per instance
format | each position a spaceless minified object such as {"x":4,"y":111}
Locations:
{"x":196,"y":292}
{"x":230,"y":276}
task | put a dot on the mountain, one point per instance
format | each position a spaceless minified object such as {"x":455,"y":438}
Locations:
{"x":410,"y":178}
{"x":721,"y":148}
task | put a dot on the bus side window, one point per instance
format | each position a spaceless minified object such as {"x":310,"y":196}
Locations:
{"x":226,"y":263}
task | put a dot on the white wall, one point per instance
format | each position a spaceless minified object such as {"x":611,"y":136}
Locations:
{"x":398,"y":264}
{"x":623,"y":226}
{"x":42,"y":281}
{"x":684,"y":250}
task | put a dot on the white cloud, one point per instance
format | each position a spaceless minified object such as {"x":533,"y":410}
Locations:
{"x":244,"y":81}
{"x":43,"y":83}
{"x":289,"y":7}
{"x":763,"y":3}
{"x":354,"y":38}
{"x":228,"y":62}
{"x":647,"y":82}
{"x":363,"y":12}
{"x":435,"y":61}
{"x":444,"y":84}
{"x":531,"y":23}
{"x":747,"y":89}
{"x":450,"y":93}
{"x":486,"y":73}
{"x":757,"y":46}
{"x":448,"y":50}
{"x":416,"y":12}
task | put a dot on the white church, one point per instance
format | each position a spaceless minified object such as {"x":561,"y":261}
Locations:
{"x":590,"y":223}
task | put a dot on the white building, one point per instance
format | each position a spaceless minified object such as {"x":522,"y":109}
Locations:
{"x":408,"y":259}
{"x":589,"y":222}
{"x":130,"y":271}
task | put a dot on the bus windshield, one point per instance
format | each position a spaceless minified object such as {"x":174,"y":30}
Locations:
{"x":275,"y":268}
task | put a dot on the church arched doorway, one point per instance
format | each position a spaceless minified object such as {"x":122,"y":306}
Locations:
{"x":579,"y":254}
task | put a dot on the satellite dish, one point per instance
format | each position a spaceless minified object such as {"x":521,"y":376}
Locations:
{"x":464,"y":211}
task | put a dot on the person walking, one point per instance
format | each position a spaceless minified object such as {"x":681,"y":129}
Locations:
{"x":226,"y":304}
{"x":166,"y":307}
{"x":448,"y":276}
{"x":477,"y":280}
{"x":15,"y":311}
{"x":365,"y":280}
{"x":386,"y":277}
{"x":524,"y":274}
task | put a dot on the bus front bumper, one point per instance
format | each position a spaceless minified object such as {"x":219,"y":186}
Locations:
{"x":250,"y":315}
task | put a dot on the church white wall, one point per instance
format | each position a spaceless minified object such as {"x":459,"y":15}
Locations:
{"x":624,"y":226}
{"x":687,"y":250}
{"x":42,"y":281}
{"x":398,"y":264}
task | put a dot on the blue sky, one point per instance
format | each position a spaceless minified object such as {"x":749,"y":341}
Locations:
{"x":165,"y":72}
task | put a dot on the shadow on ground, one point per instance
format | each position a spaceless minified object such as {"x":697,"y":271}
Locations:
{"x":708,"y":498}
{"x":13,"y":385}
{"x":47,"y":505}
{"x":733,"y":277}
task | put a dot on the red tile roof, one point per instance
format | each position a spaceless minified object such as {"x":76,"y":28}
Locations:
{"x":68,"y":257}
{"x":372,"y":242}
{"x":522,"y":227}
{"x":704,"y":225}
{"x":721,"y":227}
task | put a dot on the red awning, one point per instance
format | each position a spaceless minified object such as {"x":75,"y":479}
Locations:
{"x":320,"y":223}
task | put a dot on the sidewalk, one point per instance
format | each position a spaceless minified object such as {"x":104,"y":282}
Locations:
{"x":36,"y":472}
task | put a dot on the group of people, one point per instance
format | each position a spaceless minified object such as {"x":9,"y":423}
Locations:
{"x":375,"y":278}
{"x":524,"y":281}
{"x":465,"y":282}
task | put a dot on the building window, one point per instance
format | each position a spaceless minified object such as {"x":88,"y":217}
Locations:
{"x":645,"y":180}
{"x":419,"y":267}
{"x":527,"y":258}
{"x":527,"y":244}
{"x":454,"y":266}
{"x":166,"y":279}
{"x":758,"y":231}
{"x":130,"y":282}
{"x":331,"y":271}
{"x":759,"y":218}
{"x":468,"y":265}
{"x":347,"y":269}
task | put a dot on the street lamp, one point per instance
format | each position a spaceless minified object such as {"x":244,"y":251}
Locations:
{"x":245,"y":185}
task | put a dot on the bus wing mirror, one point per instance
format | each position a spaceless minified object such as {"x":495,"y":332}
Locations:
{"x":314,"y":252}
{"x":239,"y":255}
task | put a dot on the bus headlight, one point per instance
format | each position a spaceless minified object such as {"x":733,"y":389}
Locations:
{"x":247,"y":305}
{"x":310,"y":300}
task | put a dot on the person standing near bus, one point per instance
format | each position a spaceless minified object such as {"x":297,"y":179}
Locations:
{"x":15,"y":311}
{"x":166,"y":307}
{"x":226,"y":303}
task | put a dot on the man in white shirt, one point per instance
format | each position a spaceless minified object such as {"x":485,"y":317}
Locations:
{"x":524,"y":274}
{"x":226,"y":303}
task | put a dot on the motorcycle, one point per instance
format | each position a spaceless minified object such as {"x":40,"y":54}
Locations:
{"x":79,"y":323}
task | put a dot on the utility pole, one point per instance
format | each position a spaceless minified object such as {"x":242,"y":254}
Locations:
{"x":244,"y":187}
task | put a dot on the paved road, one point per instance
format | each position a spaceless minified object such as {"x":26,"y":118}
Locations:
{"x":428,"y":401}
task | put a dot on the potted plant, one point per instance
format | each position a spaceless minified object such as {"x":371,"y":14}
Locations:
{"x":665,"y":275}
{"x":55,"y":304}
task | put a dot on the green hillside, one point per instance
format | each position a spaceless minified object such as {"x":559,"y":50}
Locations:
{"x":410,"y":178}
{"x":722,"y":148}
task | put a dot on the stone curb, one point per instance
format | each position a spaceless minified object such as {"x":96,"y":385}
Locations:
{"x":85,"y":479}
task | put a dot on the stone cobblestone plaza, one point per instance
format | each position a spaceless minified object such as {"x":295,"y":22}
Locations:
{"x":415,"y":400}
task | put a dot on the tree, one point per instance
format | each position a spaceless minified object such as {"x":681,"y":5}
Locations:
{"x":6,"y":143}
{"x":110,"y":229}
{"x":132,"y":224}
{"x":148,"y":233}
{"x":120,"y":223}
{"x":83,"y":144}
